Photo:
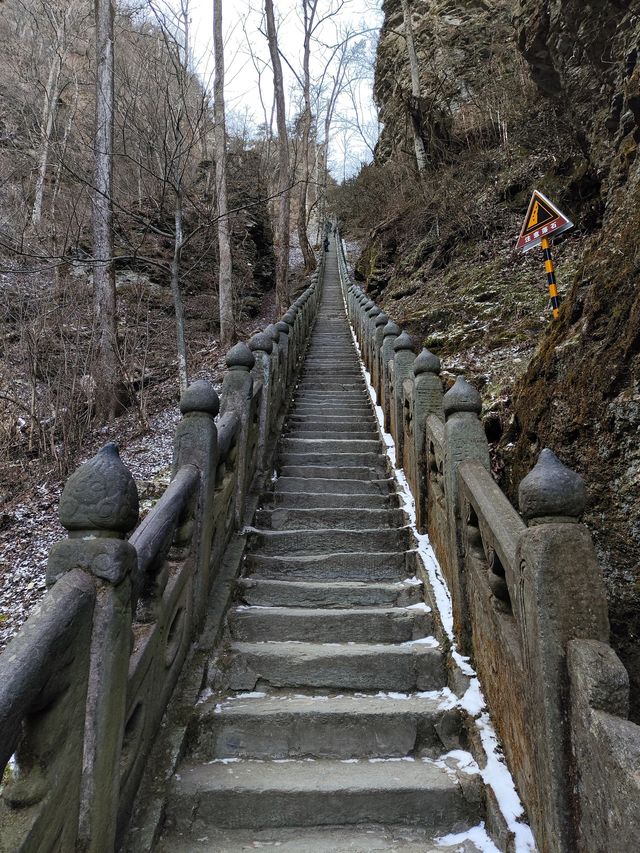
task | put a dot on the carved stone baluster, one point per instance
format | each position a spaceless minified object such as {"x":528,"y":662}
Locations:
{"x":560,"y":597}
{"x":99,"y":506}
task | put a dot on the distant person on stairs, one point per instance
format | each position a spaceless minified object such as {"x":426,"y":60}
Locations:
{"x":326,"y":244}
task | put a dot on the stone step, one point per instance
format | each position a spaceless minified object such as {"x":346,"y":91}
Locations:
{"x":356,"y":566}
{"x":358,"y":666}
{"x":294,"y":444}
{"x":333,"y":486}
{"x":344,"y":594}
{"x":255,"y":794}
{"x":298,"y":518}
{"x":334,"y":839}
{"x":333,"y":472}
{"x":343,"y":425}
{"x":324,"y":727}
{"x":330,"y":457}
{"x":341,"y":410}
{"x":300,"y":543}
{"x":306,"y":500}
{"x":330,"y":434}
{"x":324,"y":625}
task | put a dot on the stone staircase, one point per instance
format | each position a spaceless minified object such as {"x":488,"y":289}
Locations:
{"x":329,"y":727}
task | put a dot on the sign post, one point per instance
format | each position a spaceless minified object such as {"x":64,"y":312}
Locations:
{"x":542,"y":222}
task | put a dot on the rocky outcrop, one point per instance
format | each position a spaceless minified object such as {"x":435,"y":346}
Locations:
{"x":517,"y":95}
{"x":581,"y":392}
{"x":459,"y":44}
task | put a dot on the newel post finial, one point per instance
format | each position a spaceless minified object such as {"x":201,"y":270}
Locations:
{"x":551,"y":491}
{"x":560,"y":596}
{"x":99,"y":506}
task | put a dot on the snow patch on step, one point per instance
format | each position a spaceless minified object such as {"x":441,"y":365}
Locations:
{"x":477,"y":835}
{"x":429,"y":642}
{"x":496,"y":774}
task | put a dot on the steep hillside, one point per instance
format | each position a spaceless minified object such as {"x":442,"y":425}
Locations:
{"x":517,"y":96}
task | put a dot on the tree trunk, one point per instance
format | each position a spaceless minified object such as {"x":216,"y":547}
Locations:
{"x":51,"y":95}
{"x":225,"y":286}
{"x":418,"y":141}
{"x":284,"y":206}
{"x":107,"y":371}
{"x":309,"y":11}
{"x":183,"y":377}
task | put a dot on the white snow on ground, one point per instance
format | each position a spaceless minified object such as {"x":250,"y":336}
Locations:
{"x":477,"y":835}
{"x":496,"y":774}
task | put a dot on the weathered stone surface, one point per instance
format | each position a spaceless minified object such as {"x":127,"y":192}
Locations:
{"x":463,"y":397}
{"x":100,"y":495}
{"x":240,"y":357}
{"x":552,"y":489}
{"x":200,"y":396}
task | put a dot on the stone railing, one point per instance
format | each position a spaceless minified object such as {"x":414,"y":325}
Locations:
{"x":86,"y":681}
{"x":528,"y":597}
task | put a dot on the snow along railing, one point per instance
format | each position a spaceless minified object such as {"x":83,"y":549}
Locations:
{"x":528,"y":597}
{"x":86,"y":681}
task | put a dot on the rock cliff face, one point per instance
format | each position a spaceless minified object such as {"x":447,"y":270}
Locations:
{"x":540,"y":93}
{"x":582,"y":390}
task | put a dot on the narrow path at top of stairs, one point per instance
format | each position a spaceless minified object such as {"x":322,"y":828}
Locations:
{"x":330,"y":727}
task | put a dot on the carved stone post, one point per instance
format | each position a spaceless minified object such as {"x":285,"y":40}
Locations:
{"x":196,"y":443}
{"x":560,"y":597}
{"x":237,"y":390}
{"x":99,"y":506}
{"x":292,"y":352}
{"x":364,"y":318}
{"x":376,"y":349}
{"x":372,"y":313}
{"x":261,"y":346}
{"x":464,"y":440}
{"x":402,"y":369}
{"x":283,"y":347}
{"x":428,"y":400}
{"x":389,"y":335}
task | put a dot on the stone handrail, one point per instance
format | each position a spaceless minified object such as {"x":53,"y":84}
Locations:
{"x":528,"y":597}
{"x":86,"y":681}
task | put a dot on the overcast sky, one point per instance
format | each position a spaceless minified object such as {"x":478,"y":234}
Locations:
{"x":354,"y":130}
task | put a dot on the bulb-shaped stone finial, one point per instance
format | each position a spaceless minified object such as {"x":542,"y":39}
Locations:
{"x":200,"y":396}
{"x":551,"y":489}
{"x":240,"y":357}
{"x":404,"y":342}
{"x":273,"y":333}
{"x":463,"y":397}
{"x":261,"y":341}
{"x":391,"y":329}
{"x":100,"y":495}
{"x":426,"y":362}
{"x":381,"y":319}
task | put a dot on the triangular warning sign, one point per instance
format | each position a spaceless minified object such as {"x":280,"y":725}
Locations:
{"x":543,"y":219}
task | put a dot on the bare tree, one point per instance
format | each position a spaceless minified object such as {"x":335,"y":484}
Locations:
{"x":107,"y":370}
{"x":309,"y":11}
{"x":284,"y":211}
{"x":414,"y":107}
{"x":225,"y":290}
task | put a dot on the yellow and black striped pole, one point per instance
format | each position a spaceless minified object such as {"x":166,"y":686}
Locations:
{"x":551,"y":277}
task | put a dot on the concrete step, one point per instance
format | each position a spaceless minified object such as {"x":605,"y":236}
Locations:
{"x":361,"y":666}
{"x":338,"y":839}
{"x":324,"y":727}
{"x":294,"y":518}
{"x":356,"y":566}
{"x":345,"y":594}
{"x":333,"y":472}
{"x":304,"y":500}
{"x":342,"y":428}
{"x":254,"y":794}
{"x":333,"y":486}
{"x":300,"y":543}
{"x":330,"y":458}
{"x":325,"y":625}
{"x":295,"y":444}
